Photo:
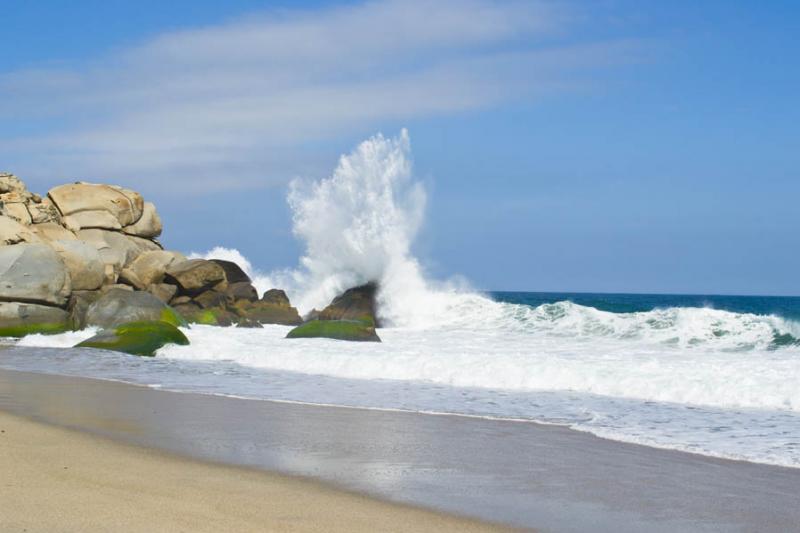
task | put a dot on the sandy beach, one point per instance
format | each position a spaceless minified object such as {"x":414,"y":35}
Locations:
{"x":60,"y":480}
{"x":522,"y":474}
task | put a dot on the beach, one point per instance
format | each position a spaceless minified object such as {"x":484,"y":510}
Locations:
{"x":56,"y":479}
{"x":520,"y":474}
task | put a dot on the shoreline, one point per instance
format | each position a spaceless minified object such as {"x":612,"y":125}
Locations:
{"x":138,"y":488}
{"x":525,"y":475}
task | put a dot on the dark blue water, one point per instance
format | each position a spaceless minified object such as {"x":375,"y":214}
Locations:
{"x":783,"y":306}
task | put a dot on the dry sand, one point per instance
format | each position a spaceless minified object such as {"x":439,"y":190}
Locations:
{"x":54,"y":479}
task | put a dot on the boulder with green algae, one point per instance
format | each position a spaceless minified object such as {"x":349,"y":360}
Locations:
{"x":346,"y":330}
{"x":136,"y":338}
{"x":119,"y":306}
{"x":20,"y":319}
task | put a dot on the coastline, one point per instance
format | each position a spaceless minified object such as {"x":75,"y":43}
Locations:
{"x":522,"y":474}
{"x":64,"y":480}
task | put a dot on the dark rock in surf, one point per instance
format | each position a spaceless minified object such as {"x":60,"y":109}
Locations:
{"x":136,"y":338}
{"x":357,"y":303}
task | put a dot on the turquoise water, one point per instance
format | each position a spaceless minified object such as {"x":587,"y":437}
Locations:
{"x":782,"y":306}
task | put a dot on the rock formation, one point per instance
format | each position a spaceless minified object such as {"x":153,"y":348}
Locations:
{"x":87,"y":254}
{"x":350,"y":316}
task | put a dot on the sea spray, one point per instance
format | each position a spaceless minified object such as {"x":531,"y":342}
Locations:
{"x":358,"y":225}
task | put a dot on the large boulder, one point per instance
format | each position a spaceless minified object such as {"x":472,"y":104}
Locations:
{"x":33,"y":273}
{"x":148,"y":225}
{"x":195,"y":276}
{"x":20,"y":319}
{"x":83,"y":262}
{"x":124,"y":205}
{"x":233,"y":272}
{"x":136,"y":338}
{"x":12,"y":232}
{"x":357,"y":303}
{"x":151,"y":266}
{"x":118,"y":306}
{"x":346,"y":330}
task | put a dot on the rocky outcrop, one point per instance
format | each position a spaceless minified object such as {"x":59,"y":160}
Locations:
{"x":86,"y":254}
{"x":136,"y":338}
{"x":99,"y":203}
{"x":33,"y":273}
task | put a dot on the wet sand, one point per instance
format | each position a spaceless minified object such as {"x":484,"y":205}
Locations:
{"x":522,"y":474}
{"x":55,"y":479}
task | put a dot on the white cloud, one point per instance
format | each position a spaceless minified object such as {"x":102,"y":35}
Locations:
{"x":243,"y":96}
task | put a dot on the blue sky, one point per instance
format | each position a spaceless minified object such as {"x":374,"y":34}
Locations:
{"x":628,"y":146}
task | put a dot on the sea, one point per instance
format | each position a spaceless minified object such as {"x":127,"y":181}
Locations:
{"x":705,"y":374}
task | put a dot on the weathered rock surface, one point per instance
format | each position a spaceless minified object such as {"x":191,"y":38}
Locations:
{"x":151,"y":266}
{"x":195,"y":276}
{"x":83,"y":263}
{"x":91,"y":219}
{"x":33,"y":273}
{"x":142,"y":338}
{"x":51,"y":231}
{"x":116,"y":249}
{"x":163,"y":291}
{"x":118,"y":306}
{"x":20,"y":319}
{"x":12,"y":232}
{"x":124,"y":205}
{"x":148,"y":225}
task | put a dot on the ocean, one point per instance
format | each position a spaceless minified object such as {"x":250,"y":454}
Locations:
{"x":713,"y":375}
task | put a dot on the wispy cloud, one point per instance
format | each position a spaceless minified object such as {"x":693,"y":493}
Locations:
{"x":239,"y":97}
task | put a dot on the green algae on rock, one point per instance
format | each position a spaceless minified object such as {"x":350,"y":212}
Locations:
{"x":20,"y":319}
{"x":346,"y":330}
{"x":137,"y":338}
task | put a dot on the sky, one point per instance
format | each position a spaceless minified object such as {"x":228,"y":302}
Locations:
{"x":604,"y":146}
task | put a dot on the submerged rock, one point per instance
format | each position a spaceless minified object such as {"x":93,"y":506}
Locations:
{"x":20,"y":319}
{"x":119,"y":306}
{"x":346,"y":330}
{"x":137,"y":338}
